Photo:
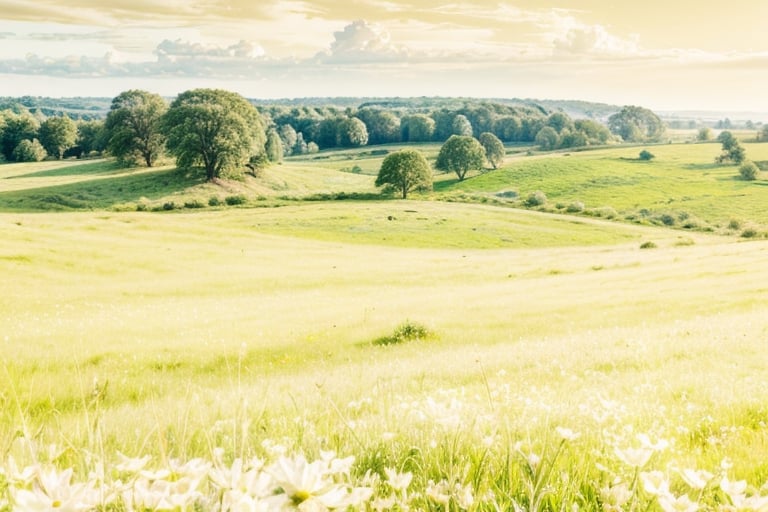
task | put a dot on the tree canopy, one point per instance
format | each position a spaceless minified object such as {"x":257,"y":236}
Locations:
{"x":494,"y":149}
{"x":732,"y":152}
{"x":636,"y":124}
{"x":405,"y":170}
{"x":57,"y":134}
{"x":216,"y":129}
{"x":460,"y":154}
{"x":133,"y":127}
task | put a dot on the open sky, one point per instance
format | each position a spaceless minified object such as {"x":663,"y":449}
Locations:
{"x":662,"y":54}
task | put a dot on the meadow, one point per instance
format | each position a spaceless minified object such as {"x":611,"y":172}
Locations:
{"x":465,"y":352}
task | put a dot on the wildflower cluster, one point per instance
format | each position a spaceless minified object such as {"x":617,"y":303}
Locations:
{"x":131,"y":484}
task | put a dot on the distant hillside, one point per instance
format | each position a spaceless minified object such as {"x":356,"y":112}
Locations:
{"x":76,"y":108}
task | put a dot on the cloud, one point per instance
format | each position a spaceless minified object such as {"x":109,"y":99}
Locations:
{"x":362,"y":42}
{"x":595,"y":40}
{"x":173,"y":50}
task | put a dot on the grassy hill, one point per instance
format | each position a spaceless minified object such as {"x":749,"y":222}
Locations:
{"x":253,"y":327}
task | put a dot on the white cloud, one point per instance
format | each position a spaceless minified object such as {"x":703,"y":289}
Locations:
{"x":595,"y":40}
{"x":362,"y":43}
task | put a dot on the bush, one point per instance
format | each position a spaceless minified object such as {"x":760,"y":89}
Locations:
{"x":194,"y":204}
{"x":507,"y":194}
{"x":407,"y":331}
{"x":170,"y":205}
{"x":214,"y":201}
{"x":667,"y":219}
{"x":734,"y":224}
{"x":648,"y":245}
{"x":749,"y":233}
{"x":748,"y":171}
{"x":235,"y":200}
{"x":537,"y":198}
{"x":575,"y":207}
{"x":646,"y":155}
{"x":29,"y":151}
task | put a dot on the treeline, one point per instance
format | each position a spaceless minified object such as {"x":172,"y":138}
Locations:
{"x":392,"y":122}
{"x":28,"y":134}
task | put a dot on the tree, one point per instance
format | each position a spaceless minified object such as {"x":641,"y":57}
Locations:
{"x":507,"y":128}
{"x":18,"y":127}
{"x":351,"y":132}
{"x":646,"y":155}
{"x":57,"y":134}
{"x":301,"y":147}
{"x":29,"y":151}
{"x":732,"y":152}
{"x":133,"y":127}
{"x":288,"y":136}
{"x":460,"y":154}
{"x":704,"y":134}
{"x":274,"y":147}
{"x":92,"y":137}
{"x":461,"y":126}
{"x":417,"y":128}
{"x":494,"y":149}
{"x":636,"y":124}
{"x":560,"y":121}
{"x":382,"y":125}
{"x":216,"y":129}
{"x":748,"y":171}
{"x":547,"y":139}
{"x":595,"y":132}
{"x":405,"y":170}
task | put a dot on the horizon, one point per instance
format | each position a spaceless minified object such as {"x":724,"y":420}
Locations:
{"x":656,"y":55}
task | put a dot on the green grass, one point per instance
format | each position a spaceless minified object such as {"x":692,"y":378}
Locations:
{"x":682,"y":179}
{"x":171,"y":334}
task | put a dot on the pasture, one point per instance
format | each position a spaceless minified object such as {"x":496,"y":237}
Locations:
{"x":557,"y":362}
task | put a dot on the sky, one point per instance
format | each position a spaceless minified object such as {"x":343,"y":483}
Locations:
{"x":661,"y":54}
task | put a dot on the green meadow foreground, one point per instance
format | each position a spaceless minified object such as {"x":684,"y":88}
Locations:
{"x":555,"y":364}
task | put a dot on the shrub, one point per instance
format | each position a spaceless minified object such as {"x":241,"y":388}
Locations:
{"x":537,"y":198}
{"x":407,"y":331}
{"x":170,"y":205}
{"x":507,"y":194}
{"x":235,"y":200}
{"x":575,"y":207}
{"x":667,"y":219}
{"x":734,"y":224}
{"x":648,"y":245}
{"x":748,"y":171}
{"x":749,"y":233}
{"x":214,"y":201}
{"x":646,"y":155}
{"x":195,"y":203}
{"x":29,"y":151}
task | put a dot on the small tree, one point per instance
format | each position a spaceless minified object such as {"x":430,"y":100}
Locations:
{"x":461,"y":126}
{"x":646,"y":155}
{"x":733,"y":152}
{"x":274,"y":147}
{"x":29,"y":151}
{"x":547,"y":138}
{"x":704,"y":134}
{"x":460,"y":154}
{"x":494,"y":149}
{"x":748,"y":171}
{"x":405,"y":170}
{"x":133,"y":127}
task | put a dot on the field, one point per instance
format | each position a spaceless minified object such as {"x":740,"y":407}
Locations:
{"x":469,"y":353}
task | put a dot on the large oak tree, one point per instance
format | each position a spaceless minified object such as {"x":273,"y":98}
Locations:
{"x":215,"y":129}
